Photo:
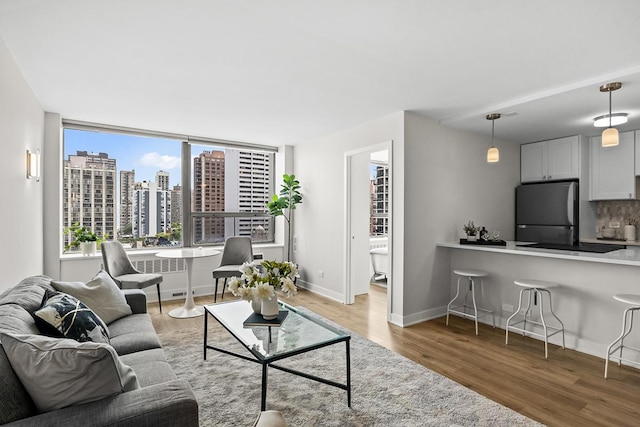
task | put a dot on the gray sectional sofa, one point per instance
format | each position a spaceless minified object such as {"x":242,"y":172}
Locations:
{"x":159,"y":398}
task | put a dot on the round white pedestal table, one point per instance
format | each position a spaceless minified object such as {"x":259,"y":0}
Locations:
{"x":189,"y":309}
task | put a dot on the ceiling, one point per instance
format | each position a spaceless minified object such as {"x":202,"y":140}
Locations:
{"x":289,"y":71}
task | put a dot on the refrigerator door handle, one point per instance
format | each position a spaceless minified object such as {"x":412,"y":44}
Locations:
{"x":570,"y":203}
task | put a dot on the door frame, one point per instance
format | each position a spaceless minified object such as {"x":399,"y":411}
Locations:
{"x":348,"y":288}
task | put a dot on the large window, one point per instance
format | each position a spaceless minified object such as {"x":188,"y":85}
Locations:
{"x":130,"y":186}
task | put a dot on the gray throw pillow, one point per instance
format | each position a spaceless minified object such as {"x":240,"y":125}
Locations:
{"x":100,"y":294}
{"x":59,"y":372}
{"x":70,"y":318}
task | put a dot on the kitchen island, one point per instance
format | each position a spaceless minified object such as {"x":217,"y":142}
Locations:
{"x":588,"y":281}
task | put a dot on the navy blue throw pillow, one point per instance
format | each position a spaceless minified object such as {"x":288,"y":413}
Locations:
{"x":71,"y":319}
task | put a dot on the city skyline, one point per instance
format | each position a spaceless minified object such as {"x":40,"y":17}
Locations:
{"x":146,"y":155}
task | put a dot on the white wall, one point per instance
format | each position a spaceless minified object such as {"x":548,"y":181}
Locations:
{"x":441,"y":180}
{"x":21,"y":128}
{"x":319,"y":220}
{"x":447,"y":183}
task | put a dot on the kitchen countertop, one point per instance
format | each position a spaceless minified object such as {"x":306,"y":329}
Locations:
{"x":629,"y":256}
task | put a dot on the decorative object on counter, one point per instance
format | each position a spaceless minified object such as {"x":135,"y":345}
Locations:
{"x":484,"y":234}
{"x":610,"y":134}
{"x":497,"y":242}
{"x":608,"y":233}
{"x":259,"y":282}
{"x":471,"y":231}
{"x":493,"y":155}
{"x":495,"y":236}
{"x":630,"y":229}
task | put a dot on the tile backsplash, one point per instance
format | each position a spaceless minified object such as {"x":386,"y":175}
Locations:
{"x":618,"y":211}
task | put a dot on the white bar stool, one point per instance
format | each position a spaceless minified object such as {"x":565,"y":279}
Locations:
{"x":461,"y":310}
{"x":538,"y":288}
{"x":627,"y":324}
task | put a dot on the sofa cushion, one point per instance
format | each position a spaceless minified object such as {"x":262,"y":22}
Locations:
{"x":151,"y":366}
{"x":71,"y":318}
{"x":17,"y":320}
{"x":28,"y":293}
{"x":62,"y":372}
{"x":15,"y":402}
{"x":133,"y":333}
{"x":100,"y":294}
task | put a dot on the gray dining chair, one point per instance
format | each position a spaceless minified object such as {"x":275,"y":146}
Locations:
{"x":119,"y":266}
{"x":236,"y":251}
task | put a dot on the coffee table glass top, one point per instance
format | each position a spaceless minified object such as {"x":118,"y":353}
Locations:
{"x":297,"y":332}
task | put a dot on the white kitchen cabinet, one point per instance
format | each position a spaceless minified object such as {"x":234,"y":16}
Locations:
{"x":552,"y":160}
{"x":612,"y":169}
{"x":637,"y":144}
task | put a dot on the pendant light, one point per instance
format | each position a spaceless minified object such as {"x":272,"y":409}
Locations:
{"x":493,"y":155}
{"x":610,"y":134}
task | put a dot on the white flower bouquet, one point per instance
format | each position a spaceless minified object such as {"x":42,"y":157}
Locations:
{"x":260,"y":281}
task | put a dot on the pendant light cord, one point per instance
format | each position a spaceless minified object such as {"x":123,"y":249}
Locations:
{"x":610,"y":108}
{"x":493,"y":124}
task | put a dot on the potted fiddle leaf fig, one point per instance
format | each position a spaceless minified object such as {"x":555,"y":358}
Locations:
{"x":285,"y":202}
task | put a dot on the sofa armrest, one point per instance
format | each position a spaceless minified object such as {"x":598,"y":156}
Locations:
{"x":137,"y":300}
{"x":170,"y":404}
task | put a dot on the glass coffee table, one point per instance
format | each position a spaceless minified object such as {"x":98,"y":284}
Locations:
{"x":299,"y":333}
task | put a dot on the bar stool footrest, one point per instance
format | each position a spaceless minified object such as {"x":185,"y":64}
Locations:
{"x":513,"y":328}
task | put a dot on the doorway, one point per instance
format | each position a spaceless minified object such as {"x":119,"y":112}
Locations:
{"x":368,"y":220}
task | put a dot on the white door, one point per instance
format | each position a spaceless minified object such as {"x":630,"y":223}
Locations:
{"x":360,"y":200}
{"x":357,"y":217}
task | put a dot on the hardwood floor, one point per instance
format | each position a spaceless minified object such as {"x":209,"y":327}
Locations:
{"x":568,"y":389}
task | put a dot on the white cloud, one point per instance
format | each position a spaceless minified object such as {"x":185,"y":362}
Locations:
{"x":159,"y":161}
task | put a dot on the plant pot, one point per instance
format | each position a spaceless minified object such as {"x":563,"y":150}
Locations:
{"x":472,"y":238}
{"x":270,"y":308}
{"x":88,"y":248}
{"x":256,"y":306}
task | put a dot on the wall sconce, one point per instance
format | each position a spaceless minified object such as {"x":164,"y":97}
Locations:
{"x":33,"y":165}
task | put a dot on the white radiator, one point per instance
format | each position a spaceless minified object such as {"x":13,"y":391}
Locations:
{"x":165,"y":265}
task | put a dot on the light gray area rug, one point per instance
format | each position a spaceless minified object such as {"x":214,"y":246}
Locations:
{"x":387,"y":389}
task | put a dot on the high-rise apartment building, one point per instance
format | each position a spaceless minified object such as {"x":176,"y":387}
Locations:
{"x":250,"y":192}
{"x":89,"y":193}
{"x":176,"y":204}
{"x":162,"y":180}
{"x":232,"y":181}
{"x":151,"y":210}
{"x":380,"y":202}
{"x":209,"y":195}
{"x":127,"y":182}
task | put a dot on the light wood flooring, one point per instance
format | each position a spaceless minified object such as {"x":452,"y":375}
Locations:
{"x":568,"y":389}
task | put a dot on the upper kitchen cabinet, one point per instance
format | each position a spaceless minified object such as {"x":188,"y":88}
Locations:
{"x":553,"y":160}
{"x":612,"y":169}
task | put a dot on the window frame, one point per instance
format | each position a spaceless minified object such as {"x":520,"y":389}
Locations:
{"x":186,"y":141}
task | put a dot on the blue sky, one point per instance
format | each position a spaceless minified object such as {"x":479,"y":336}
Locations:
{"x":143,"y":154}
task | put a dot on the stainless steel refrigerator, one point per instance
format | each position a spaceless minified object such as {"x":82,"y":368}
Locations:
{"x":547,"y":212}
